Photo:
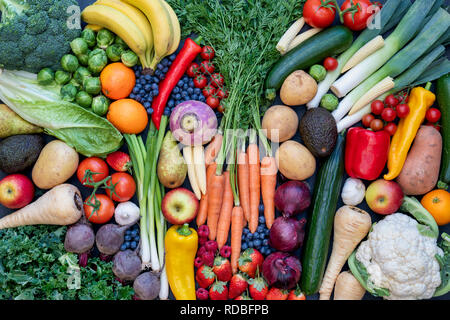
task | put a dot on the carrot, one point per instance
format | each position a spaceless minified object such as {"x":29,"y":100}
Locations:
{"x":254,"y":185}
{"x":203,"y":208}
{"x":213,"y":148}
{"x":268,"y":184}
{"x":244,"y":184}
{"x":215,"y":197}
{"x":223,"y":226}
{"x":237,"y":225}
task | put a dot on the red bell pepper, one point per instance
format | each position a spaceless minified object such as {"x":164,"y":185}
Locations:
{"x":176,"y":71}
{"x":366,"y":153}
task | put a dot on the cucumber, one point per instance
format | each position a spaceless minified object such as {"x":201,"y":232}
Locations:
{"x":325,"y":198}
{"x":326,"y":43}
{"x":443,"y":98}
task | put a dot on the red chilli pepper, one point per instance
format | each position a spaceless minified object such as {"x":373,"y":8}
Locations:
{"x":178,"y":68}
{"x":366,"y":153}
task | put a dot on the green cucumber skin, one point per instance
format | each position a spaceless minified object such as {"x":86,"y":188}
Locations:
{"x":325,"y":44}
{"x":320,"y":224}
{"x":443,"y":98}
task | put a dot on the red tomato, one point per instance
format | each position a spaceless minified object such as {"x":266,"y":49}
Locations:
{"x":357,"y":14}
{"x":200,"y":81}
{"x":209,"y":90}
{"x":402,"y":110}
{"x":104,"y":212}
{"x":319,"y":14}
{"x":367,"y":120}
{"x":222,"y":93}
{"x":433,"y":115}
{"x":207,"y":53}
{"x":434,"y":125}
{"x":330,"y":63}
{"x":390,"y":128}
{"x":377,"y":107}
{"x":193,"y":70}
{"x":213,"y":101}
{"x":97,"y":167}
{"x":207,"y":67}
{"x":391,"y":101}
{"x":376,"y":125}
{"x":389,"y":114}
{"x":221,"y":108}
{"x":124,"y":187}
{"x":217,"y":80}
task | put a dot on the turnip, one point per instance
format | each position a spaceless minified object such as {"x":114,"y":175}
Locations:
{"x":127,"y":265}
{"x":351,"y":225}
{"x":80,"y":238}
{"x":147,"y":286}
{"x":127,"y":213}
{"x":110,"y":238}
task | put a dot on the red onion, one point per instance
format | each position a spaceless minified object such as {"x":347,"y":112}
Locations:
{"x":287,"y":234}
{"x":282,"y":270}
{"x":292,"y":197}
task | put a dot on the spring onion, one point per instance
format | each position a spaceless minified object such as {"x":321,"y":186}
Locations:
{"x":436,"y":27}
{"x":368,"y":34}
{"x":402,"y":34}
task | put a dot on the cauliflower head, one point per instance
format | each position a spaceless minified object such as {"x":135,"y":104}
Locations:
{"x":397,"y":257}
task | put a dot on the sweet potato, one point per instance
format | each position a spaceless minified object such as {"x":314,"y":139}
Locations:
{"x":421,"y":169}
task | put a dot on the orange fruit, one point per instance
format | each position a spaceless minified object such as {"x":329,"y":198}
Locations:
{"x":117,"y":81}
{"x":128,"y":116}
{"x":437,"y":202}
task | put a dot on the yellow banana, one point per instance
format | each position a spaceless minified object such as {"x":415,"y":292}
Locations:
{"x":176,"y":37}
{"x":136,"y":16}
{"x":94,"y":27}
{"x":121,"y":25}
{"x":161,"y":25}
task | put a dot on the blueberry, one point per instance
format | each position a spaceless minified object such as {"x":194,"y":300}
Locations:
{"x":266,"y":232}
{"x":262,"y":235}
{"x":243,"y":237}
{"x":167,"y":112}
{"x":162,"y":76}
{"x":185,"y":86}
{"x":127,"y":237}
{"x":260,"y":228}
{"x":244,"y":246}
{"x":165,"y":70}
{"x":135,"y":90}
{"x":195,"y":97}
{"x":250,"y":244}
{"x":257,"y":243}
{"x":137,"y":74}
{"x":178,"y":96}
{"x":157,"y":73}
{"x":132,"y":96}
{"x":261,"y":208}
{"x":180,"y":83}
{"x":265,"y":242}
{"x":137,"y":238}
{"x":156,"y":80}
{"x":155,"y":92}
{"x":155,"y":86}
{"x":147,"y":77}
{"x":171,"y":103}
{"x":160,"y":66}
{"x":202,"y":98}
{"x":148,"y":87}
{"x":185,"y":79}
{"x":261,"y":219}
{"x":191,"y":84}
{"x":245,"y":231}
{"x":138,"y":86}
{"x":197,"y":91}
{"x":133,"y":245}
{"x":184,"y":94}
{"x":176,"y":90}
{"x":165,"y":62}
{"x":190,"y":90}
{"x":123,"y":247}
{"x":147,"y":105}
{"x":172,"y":57}
{"x":142,"y":92}
{"x":249,"y":236}
{"x":150,"y":111}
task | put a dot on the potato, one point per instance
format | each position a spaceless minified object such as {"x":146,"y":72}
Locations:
{"x":295,"y":161}
{"x":57,"y":162}
{"x":281,"y":123}
{"x":420,"y":172}
{"x":299,"y":88}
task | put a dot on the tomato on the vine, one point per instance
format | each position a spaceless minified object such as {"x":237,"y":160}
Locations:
{"x":391,"y":101}
{"x":207,"y":67}
{"x":92,"y":170}
{"x":193,"y":70}
{"x":389,"y":114}
{"x":217,"y":80}
{"x":402,"y":110}
{"x":221,"y":108}
{"x":213,"y":101}
{"x":434,"y":125}
{"x":330,"y":63}
{"x":391,"y":128}
{"x":200,"y":81}
{"x":367,"y":120}
{"x":433,"y":115}
{"x":123,"y":185}
{"x":356,"y":13}
{"x":376,"y":125}
{"x":222,"y":93}
{"x":209,"y":90}
{"x":103,"y":212}
{"x":319,"y":13}
{"x":207,"y":53}
{"x":377,"y":107}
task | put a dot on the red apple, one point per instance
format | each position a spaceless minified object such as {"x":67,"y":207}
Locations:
{"x":384,"y":197}
{"x":16,"y":191}
{"x":179,"y":206}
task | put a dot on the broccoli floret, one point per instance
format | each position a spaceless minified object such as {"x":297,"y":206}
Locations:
{"x":38,"y":32}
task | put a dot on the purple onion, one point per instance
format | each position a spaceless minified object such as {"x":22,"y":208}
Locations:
{"x":282,"y":270}
{"x":292,"y":197}
{"x":287,"y":234}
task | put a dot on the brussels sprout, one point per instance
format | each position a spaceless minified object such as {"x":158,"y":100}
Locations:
{"x":100,"y":105}
{"x":105,"y":38}
{"x":89,"y":36}
{"x":75,"y":83}
{"x":96,"y":51}
{"x":121,"y":43}
{"x":318,"y":72}
{"x":69,"y":92}
{"x":62,"y":77}
{"x":129,"y":58}
{"x":45,"y":76}
{"x":79,"y":46}
{"x":114,"y":52}
{"x":92,"y":85}
{"x":69,"y":63}
{"x":84,"y":99}
{"x":329,"y":102}
{"x":97,"y":62}
{"x":84,"y":58}
{"x":81,"y":74}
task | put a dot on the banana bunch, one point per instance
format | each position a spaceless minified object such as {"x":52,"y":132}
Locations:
{"x":149,"y":27}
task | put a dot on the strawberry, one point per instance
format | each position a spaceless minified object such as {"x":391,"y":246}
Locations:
{"x":296,"y":294}
{"x":258,"y":288}
{"x":205,"y":276}
{"x":250,"y":262}
{"x":238,"y":284}
{"x":218,"y":291}
{"x":222,"y":269}
{"x":243,"y":297}
{"x":119,"y":161}
{"x":277,"y":294}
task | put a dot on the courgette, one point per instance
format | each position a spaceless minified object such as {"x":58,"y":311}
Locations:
{"x":326,"y":43}
{"x":325,"y":198}
{"x":443,"y":98}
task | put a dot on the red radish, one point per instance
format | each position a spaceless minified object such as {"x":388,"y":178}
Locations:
{"x":119,"y":161}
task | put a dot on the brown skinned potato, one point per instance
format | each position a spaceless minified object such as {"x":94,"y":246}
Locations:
{"x":281,"y":123}
{"x":299,"y":88}
{"x":295,"y":161}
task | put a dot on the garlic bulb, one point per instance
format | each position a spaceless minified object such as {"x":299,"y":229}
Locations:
{"x":353,"y":192}
{"x":127,"y":213}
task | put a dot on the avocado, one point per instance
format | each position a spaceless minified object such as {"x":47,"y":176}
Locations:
{"x":18,"y":153}
{"x":318,"y":131}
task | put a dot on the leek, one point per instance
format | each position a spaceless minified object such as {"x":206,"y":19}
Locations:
{"x":402,"y":34}
{"x":367,"y":35}
{"x":436,"y":27}
{"x":397,"y":16}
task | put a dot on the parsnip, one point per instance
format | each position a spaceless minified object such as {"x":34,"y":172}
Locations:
{"x":62,"y":205}
{"x":348,"y":287}
{"x":189,"y":158}
{"x":200,"y":167}
{"x":351,"y":225}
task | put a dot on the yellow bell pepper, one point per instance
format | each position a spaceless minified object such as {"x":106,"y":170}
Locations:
{"x":420,"y":99}
{"x":181,"y":247}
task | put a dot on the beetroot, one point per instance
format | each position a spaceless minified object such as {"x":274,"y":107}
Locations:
{"x":282,"y":270}
{"x":80,"y":238}
{"x":147,"y":286}
{"x":287,"y":234}
{"x":109,"y":238}
{"x":127,"y":265}
{"x":292,"y":197}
